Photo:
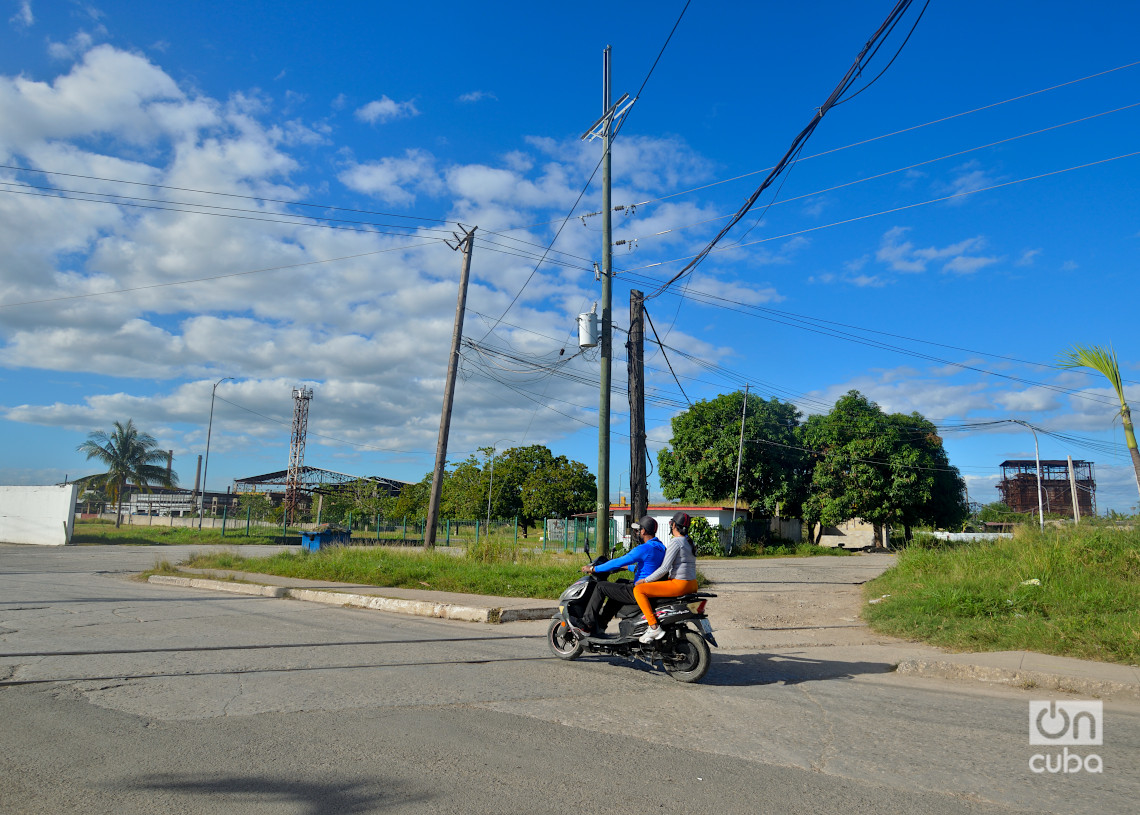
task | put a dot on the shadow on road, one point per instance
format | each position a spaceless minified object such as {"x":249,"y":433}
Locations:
{"x":332,"y":798}
{"x":736,"y":670}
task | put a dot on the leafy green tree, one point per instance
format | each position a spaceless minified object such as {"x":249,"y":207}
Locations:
{"x":1104,"y":361}
{"x":883,"y":469}
{"x":258,"y":503}
{"x":131,"y":458}
{"x":537,"y":484}
{"x":699,"y":466}
{"x":361,"y":498}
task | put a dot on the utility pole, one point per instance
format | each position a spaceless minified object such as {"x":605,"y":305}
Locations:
{"x":635,"y":353}
{"x":603,"y":129}
{"x":1076,"y":497}
{"x":739,"y":460}
{"x":467,"y":242}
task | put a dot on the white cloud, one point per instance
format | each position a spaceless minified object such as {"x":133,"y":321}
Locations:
{"x":477,"y":96}
{"x":23,"y":18}
{"x":903,"y":256}
{"x":969,"y":177}
{"x":395,"y":180}
{"x":385,"y":110}
{"x":1027,"y":257}
{"x":1031,"y":400}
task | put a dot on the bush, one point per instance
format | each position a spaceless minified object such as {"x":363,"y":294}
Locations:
{"x":705,"y":537}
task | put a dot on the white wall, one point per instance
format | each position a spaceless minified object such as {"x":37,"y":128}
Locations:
{"x":38,"y":515}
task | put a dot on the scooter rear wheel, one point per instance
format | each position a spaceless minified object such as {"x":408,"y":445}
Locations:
{"x":689,"y":659}
{"x":563,"y":642}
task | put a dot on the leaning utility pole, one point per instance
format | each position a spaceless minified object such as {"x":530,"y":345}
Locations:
{"x":635,"y":354}
{"x":467,"y":243}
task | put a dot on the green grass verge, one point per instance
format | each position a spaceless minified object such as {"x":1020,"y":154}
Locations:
{"x":541,"y":576}
{"x":509,"y":573}
{"x":979,"y":596}
{"x":104,"y":532}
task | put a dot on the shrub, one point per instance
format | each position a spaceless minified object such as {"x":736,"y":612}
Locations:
{"x":705,"y":537}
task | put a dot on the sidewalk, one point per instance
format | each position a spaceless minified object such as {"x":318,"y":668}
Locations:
{"x":835,"y":643}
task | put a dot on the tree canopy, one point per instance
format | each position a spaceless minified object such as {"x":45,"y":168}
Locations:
{"x":885,"y":469}
{"x":132,"y":459}
{"x":530,"y":483}
{"x":853,"y":462}
{"x":699,"y":466}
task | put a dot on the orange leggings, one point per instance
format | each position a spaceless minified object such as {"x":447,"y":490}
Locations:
{"x":660,"y":588}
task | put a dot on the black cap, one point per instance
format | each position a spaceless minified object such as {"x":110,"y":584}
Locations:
{"x":647,"y":523}
{"x":681,"y":520}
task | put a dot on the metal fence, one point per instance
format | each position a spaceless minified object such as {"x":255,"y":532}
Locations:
{"x":572,"y":534}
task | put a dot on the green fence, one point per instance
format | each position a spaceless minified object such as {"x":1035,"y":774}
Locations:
{"x":574,"y":534}
{"x":384,"y":531}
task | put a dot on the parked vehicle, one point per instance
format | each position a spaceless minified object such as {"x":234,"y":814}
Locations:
{"x":683,"y":652}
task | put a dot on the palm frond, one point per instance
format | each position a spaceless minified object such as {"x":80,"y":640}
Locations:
{"x":1096,"y":358}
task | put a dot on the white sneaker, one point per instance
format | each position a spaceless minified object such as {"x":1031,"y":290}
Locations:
{"x":652,"y":633}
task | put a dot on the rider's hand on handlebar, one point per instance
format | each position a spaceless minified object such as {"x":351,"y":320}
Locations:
{"x":588,"y":569}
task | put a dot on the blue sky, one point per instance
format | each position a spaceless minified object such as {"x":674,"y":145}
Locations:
{"x":975,"y":207}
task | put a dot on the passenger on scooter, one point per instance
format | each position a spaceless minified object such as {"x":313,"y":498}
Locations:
{"x":677,"y":575}
{"x":645,"y":558}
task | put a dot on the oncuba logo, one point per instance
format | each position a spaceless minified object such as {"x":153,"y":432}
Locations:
{"x":1065,"y":724}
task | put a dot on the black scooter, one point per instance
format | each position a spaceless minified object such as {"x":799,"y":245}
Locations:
{"x":683,"y":651}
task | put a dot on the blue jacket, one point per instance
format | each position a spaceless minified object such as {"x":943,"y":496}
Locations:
{"x":647,"y":556}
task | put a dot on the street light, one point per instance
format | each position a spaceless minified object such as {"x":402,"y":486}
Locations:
{"x":1037,"y":454}
{"x":491,"y":485}
{"x":206,"y":466}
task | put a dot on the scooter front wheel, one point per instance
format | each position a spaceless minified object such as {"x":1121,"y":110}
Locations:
{"x":689,"y":658}
{"x":563,"y":642}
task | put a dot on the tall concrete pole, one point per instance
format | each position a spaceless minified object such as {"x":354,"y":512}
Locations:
{"x":467,"y":243}
{"x":739,"y":460}
{"x":206,"y":467}
{"x":1073,"y":489}
{"x":603,"y":503}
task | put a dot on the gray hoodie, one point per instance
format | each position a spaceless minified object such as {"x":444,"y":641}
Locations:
{"x":680,"y":561}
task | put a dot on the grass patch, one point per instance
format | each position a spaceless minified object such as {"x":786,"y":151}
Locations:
{"x":497,"y":570}
{"x":1085,"y":602}
{"x":538,"y":575}
{"x":104,"y":532}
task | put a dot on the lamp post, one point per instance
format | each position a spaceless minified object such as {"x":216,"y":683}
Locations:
{"x":206,"y":466}
{"x":491,"y":485}
{"x":1037,"y":454}
{"x":621,"y":481}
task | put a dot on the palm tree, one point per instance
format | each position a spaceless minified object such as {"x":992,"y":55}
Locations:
{"x":130,"y":457}
{"x":1104,"y":361}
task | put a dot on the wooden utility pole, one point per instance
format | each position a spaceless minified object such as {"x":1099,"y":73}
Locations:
{"x":1073,"y":489}
{"x":467,"y":243}
{"x":635,"y":354}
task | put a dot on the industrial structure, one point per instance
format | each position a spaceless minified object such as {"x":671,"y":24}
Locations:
{"x":308,"y":481}
{"x":1018,"y":487}
{"x":301,"y":398}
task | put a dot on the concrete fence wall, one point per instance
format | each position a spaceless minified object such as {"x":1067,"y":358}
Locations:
{"x":44,"y":516}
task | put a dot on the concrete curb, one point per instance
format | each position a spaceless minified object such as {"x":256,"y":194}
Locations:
{"x":942,"y":669}
{"x":419,"y":608}
{"x":218,"y":585}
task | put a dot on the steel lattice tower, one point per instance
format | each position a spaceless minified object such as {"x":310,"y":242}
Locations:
{"x":301,"y":397}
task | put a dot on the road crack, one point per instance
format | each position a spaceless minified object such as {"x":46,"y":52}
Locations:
{"x":827,"y":746}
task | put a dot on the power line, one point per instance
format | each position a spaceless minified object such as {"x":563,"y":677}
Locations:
{"x":660,"y":53}
{"x":877,"y":176}
{"x":224,"y":194}
{"x":798,"y":143}
{"x":666,"y":356}
{"x":875,"y":215}
{"x":881,"y":137}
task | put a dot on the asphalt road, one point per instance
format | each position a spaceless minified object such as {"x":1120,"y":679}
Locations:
{"x":118,"y":696}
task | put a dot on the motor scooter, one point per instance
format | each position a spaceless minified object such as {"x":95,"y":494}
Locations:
{"x":683,"y":652}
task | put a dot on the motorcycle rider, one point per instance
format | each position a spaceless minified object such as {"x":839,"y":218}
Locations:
{"x":677,"y":575}
{"x":646,"y":559}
